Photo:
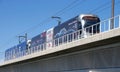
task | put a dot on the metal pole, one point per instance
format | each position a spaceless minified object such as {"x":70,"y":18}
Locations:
{"x":112,"y":15}
{"x":58,"y":19}
{"x":25,"y":37}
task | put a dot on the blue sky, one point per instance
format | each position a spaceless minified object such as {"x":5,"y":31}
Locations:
{"x":33,"y":16}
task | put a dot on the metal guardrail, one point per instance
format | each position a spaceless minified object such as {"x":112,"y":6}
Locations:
{"x":103,"y":25}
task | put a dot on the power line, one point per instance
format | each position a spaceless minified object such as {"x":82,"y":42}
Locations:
{"x":103,"y":7}
{"x":62,"y":10}
{"x":99,"y":7}
{"x":73,"y":5}
{"x":29,"y":30}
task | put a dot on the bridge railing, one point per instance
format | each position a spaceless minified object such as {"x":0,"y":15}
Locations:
{"x":106,"y":24}
{"x":103,"y":26}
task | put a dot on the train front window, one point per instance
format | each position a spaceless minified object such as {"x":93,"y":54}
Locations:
{"x":89,"y":20}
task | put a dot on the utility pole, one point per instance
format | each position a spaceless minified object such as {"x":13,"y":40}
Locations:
{"x":112,"y":14}
{"x":58,"y":19}
{"x":25,"y":37}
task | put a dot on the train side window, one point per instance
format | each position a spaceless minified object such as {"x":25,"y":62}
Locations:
{"x":79,"y":25}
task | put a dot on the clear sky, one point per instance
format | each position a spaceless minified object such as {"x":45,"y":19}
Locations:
{"x":33,"y":16}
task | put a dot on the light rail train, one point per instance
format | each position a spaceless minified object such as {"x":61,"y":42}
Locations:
{"x":56,"y":35}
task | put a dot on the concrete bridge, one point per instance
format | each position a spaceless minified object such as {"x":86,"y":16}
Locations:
{"x":98,"y":52}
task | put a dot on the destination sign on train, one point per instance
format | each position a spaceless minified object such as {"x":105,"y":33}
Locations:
{"x":89,"y":18}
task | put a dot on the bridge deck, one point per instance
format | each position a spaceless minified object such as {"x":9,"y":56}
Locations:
{"x":94,"y":40}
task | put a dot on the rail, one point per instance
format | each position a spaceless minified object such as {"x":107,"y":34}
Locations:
{"x":84,"y":33}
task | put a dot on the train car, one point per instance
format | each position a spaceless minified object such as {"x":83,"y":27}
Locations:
{"x":61,"y":31}
{"x":38,"y":42}
{"x":13,"y":52}
{"x":16,"y":51}
{"x":66,"y":27}
{"x":49,"y":37}
{"x":81,"y":22}
{"x":7,"y":54}
{"x":21,"y":49}
{"x":10,"y":53}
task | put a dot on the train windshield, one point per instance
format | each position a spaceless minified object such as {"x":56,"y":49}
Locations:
{"x":90,"y":20}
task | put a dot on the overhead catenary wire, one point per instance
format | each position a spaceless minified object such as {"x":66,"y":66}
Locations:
{"x":103,"y":7}
{"x":99,"y":7}
{"x":62,"y":10}
{"x":70,"y":6}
